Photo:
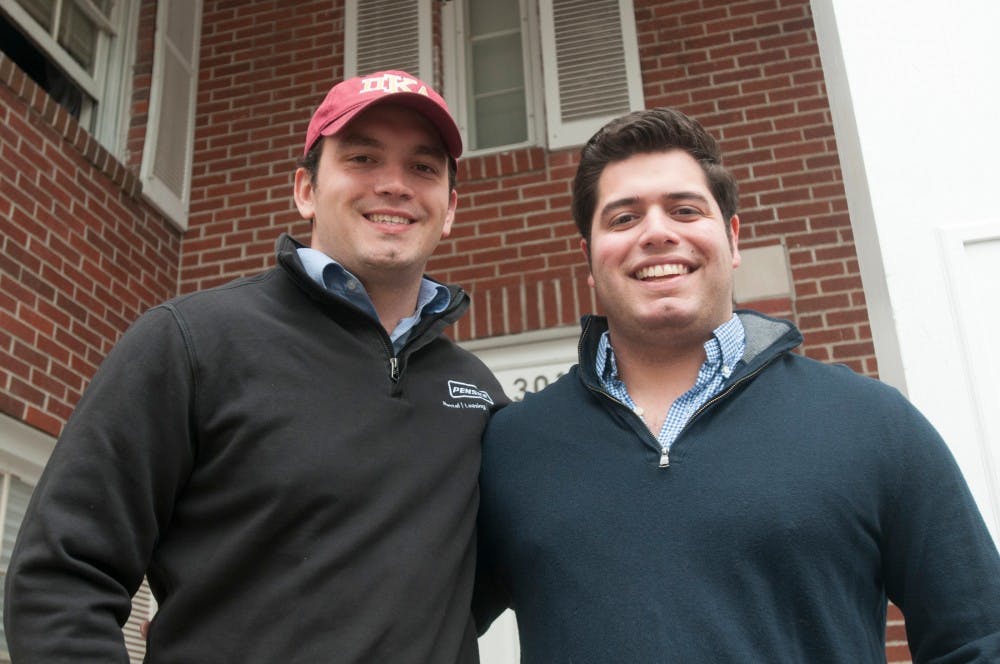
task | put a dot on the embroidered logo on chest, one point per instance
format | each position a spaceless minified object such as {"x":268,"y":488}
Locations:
{"x":467,"y":395}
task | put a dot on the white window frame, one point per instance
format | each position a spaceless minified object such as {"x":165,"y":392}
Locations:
{"x":175,"y":205}
{"x":424,"y":36}
{"x":545,"y":126}
{"x":107,"y":91}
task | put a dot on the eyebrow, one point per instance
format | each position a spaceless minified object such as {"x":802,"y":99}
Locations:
{"x":361,"y":140}
{"x":628,"y":201}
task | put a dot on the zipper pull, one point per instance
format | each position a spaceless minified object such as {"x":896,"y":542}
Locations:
{"x":664,"y":458}
{"x":394,"y":369}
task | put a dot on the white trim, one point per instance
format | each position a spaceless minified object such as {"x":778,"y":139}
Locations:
{"x":24,"y":451}
{"x":453,"y":71}
{"x":350,"y":38}
{"x":112,"y":125}
{"x":424,"y":54}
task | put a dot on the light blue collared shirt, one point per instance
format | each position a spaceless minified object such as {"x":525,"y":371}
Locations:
{"x":722,"y":352}
{"x":331,"y":275}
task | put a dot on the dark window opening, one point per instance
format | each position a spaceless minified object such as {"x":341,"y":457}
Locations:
{"x":39,"y":68}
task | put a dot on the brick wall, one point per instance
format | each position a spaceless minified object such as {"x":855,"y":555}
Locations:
{"x":264,"y":68}
{"x":82,"y":255}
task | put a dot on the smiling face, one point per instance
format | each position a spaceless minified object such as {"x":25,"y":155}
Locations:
{"x":380,"y":202}
{"x":660,"y":257}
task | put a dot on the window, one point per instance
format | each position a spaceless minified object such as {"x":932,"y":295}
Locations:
{"x":79,"y":51}
{"x":516,"y":72}
{"x":497,"y":102}
{"x":531,"y":72}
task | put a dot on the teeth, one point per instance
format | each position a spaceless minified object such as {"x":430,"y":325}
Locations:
{"x":661,"y":271}
{"x":388,"y":219}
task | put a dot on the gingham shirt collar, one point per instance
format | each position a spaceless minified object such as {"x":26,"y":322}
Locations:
{"x":722,"y":351}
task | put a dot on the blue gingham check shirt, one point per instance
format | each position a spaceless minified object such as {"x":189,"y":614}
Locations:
{"x":722,"y":352}
{"x":331,"y":275}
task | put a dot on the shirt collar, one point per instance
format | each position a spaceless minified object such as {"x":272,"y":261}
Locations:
{"x":722,"y":351}
{"x":433,"y":297}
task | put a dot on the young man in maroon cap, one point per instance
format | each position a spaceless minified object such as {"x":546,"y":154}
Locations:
{"x":291,"y":459}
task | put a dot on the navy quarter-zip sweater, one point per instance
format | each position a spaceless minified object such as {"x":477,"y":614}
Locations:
{"x":290,"y":499}
{"x":794,"y":504}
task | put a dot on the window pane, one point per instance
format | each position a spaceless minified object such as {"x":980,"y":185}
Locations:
{"x":497,"y":99}
{"x":500,"y":120}
{"x":40,"y":68}
{"x":41,"y":10}
{"x":486,"y":16}
{"x":497,"y":65}
{"x":78,"y":35}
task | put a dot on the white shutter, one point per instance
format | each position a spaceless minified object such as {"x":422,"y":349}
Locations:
{"x":590,"y":63}
{"x":14,"y":496}
{"x":167,"y":154}
{"x":143,"y":608}
{"x":388,"y":34}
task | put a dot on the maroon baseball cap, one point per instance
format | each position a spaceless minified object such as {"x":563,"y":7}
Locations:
{"x":348,"y":98}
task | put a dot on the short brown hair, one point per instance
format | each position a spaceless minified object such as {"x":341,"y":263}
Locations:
{"x":641,"y":132}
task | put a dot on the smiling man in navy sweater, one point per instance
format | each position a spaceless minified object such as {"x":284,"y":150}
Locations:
{"x":693,"y":490}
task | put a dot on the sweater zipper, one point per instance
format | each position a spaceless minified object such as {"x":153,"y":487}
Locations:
{"x":395,"y":366}
{"x":664,"y":452}
{"x":718,"y":397}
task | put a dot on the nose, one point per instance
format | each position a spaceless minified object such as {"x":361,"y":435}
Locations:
{"x":658,"y":228}
{"x":392,"y":181}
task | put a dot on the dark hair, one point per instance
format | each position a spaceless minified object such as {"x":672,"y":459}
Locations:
{"x":641,"y":132}
{"x":310,"y":162}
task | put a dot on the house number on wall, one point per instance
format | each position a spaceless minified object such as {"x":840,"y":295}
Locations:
{"x":522,"y":385}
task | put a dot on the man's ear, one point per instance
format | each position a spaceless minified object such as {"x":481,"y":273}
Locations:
{"x":585,"y":248}
{"x":734,"y":236}
{"x":304,"y":191}
{"x":449,"y":217}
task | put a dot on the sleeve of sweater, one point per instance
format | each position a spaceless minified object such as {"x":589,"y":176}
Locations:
{"x":489,"y":599}
{"x":103,"y":500}
{"x":940,"y":564}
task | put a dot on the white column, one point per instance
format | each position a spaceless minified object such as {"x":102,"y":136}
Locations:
{"x":915,"y":93}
